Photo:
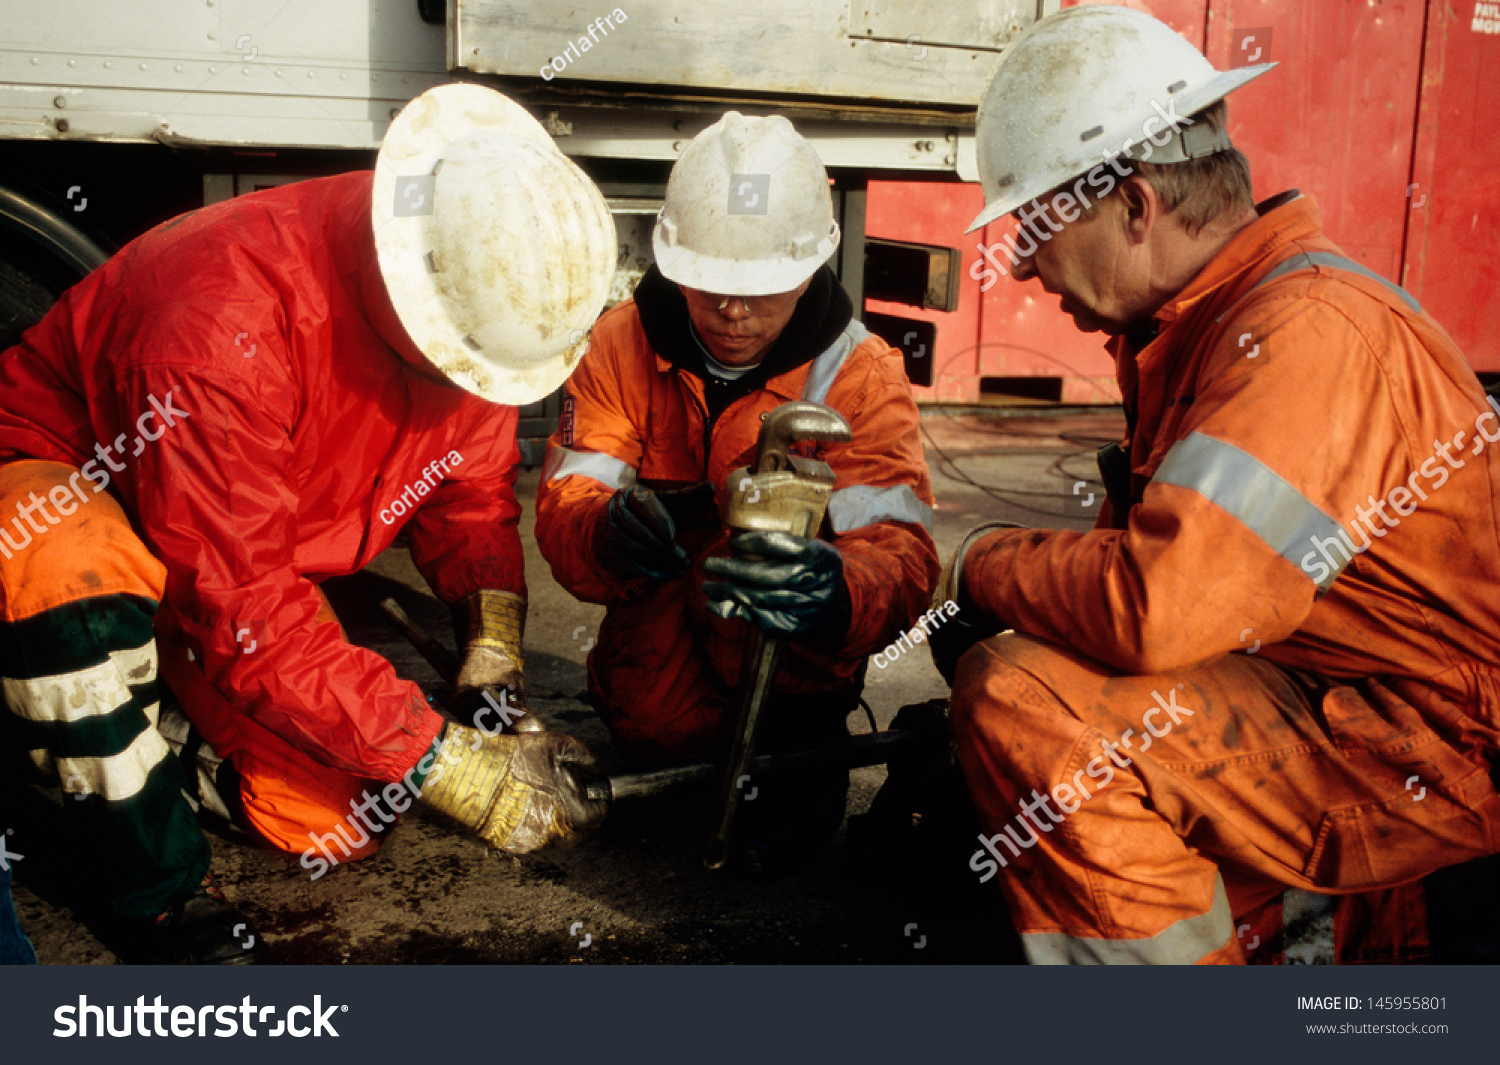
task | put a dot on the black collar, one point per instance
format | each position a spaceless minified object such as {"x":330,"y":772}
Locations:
{"x":823,"y":312}
{"x":1265,"y":207}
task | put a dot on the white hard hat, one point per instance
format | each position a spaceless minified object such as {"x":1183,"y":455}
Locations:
{"x":1083,"y":85}
{"x":748,"y":212}
{"x":497,"y":251}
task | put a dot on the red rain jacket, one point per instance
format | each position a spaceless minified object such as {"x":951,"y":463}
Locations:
{"x":264,"y":436}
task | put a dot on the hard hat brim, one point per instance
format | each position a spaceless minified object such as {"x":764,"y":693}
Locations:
{"x":415,"y":142}
{"x":736,"y":277}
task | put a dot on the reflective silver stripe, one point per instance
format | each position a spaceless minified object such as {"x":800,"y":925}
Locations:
{"x":1184,"y":943}
{"x":1308,"y":259}
{"x":606,"y":469}
{"x":826,"y":366}
{"x":94,"y":691}
{"x":861,"y":505}
{"x":116,"y":777}
{"x":1251,"y":491}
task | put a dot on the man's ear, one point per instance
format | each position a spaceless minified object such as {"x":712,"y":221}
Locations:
{"x":1142,"y":208}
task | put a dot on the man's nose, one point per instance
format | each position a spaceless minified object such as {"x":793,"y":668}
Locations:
{"x":735,"y":308}
{"x":1024,"y":268}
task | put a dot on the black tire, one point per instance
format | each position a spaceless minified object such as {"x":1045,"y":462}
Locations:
{"x":23,"y":302}
{"x":42,"y":254}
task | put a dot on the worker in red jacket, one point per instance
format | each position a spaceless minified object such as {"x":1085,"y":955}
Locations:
{"x":242,"y":403}
{"x":1275,"y":661}
{"x":739,"y":315}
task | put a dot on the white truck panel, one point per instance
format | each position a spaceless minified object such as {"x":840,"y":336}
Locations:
{"x":899,"y":51}
{"x":331,"y":73}
{"x":305,"y":73}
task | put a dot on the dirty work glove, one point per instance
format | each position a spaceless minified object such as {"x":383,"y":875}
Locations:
{"x":519,"y":793}
{"x":963,"y":630}
{"x":637,"y":537}
{"x":788,"y":585}
{"x":492,"y":623}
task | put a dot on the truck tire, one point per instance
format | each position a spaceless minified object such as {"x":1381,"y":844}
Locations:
{"x":42,"y":254}
{"x":23,"y":302}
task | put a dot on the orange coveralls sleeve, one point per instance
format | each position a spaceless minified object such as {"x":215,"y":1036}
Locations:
{"x":599,"y":423}
{"x":889,"y":565}
{"x":1187,"y":576}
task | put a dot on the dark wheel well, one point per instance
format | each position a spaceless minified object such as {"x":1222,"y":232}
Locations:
{"x":42,"y":254}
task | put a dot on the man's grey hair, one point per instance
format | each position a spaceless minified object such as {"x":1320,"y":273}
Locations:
{"x":1199,"y":190}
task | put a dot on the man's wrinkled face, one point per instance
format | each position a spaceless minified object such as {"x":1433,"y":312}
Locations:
{"x":1088,"y":262}
{"x":739,"y":330}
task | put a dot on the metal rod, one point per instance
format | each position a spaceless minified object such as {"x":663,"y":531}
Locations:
{"x":764,"y":657}
{"x":438,"y":656}
{"x":871,"y":749}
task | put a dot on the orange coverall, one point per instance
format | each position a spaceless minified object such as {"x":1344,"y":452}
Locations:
{"x":665,"y":668}
{"x":1313,"y":487}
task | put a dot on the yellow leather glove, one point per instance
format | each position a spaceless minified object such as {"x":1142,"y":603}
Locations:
{"x":518,"y":793}
{"x":492,"y":623}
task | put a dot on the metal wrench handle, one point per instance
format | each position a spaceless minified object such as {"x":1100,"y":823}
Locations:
{"x":765,"y":657}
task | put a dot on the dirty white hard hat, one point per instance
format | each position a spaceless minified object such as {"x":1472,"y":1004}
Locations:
{"x":497,"y":251}
{"x":1083,"y":85}
{"x":748,"y":212}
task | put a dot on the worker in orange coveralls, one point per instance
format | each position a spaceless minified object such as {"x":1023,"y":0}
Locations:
{"x":242,"y":403}
{"x":739,"y":315}
{"x":1275,"y":661}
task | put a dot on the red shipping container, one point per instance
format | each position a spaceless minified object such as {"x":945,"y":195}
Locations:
{"x":1381,"y":110}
